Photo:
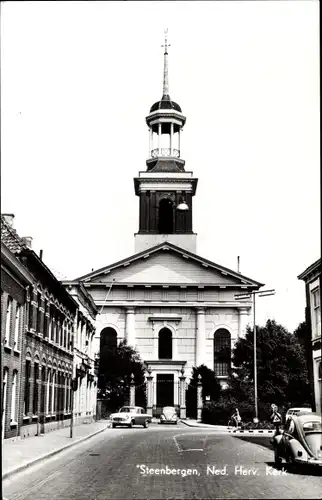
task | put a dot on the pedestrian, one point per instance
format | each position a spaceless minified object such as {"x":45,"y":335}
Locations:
{"x":276,"y":419}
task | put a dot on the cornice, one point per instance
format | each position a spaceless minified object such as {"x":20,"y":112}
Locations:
{"x":136,"y":303}
{"x":198,"y":286}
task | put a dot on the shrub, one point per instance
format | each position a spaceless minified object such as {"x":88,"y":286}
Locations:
{"x":264,"y":424}
{"x":220,"y":412}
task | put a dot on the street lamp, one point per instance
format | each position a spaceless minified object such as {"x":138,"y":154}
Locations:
{"x":244,"y":296}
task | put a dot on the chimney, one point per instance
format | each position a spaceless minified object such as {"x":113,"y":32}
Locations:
{"x":9,"y":218}
{"x":27,"y":241}
{"x":40,"y":254}
{"x":238,"y":264}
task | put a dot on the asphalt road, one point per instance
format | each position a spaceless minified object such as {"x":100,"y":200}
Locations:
{"x":129,"y":464}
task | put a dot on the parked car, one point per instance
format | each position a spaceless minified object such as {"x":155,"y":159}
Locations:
{"x":129,"y":416}
{"x":169,"y":415}
{"x":296,"y":411}
{"x":301,"y":440}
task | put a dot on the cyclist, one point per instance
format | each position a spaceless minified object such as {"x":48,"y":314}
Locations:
{"x":236,"y":418}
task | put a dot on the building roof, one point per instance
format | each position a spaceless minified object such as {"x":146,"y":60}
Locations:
{"x":165,"y":165}
{"x":10,"y":262}
{"x":314,"y":268}
{"x":165,"y":103}
{"x":10,"y":237}
{"x":242,"y":280}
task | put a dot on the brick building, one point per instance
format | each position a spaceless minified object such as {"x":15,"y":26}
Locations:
{"x":46,"y":358}
{"x":84,"y":372}
{"x":312,"y":279}
{"x":15,"y":279}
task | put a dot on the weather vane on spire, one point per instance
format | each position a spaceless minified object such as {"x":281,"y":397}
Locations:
{"x":166,"y":41}
{"x":165,"y":69}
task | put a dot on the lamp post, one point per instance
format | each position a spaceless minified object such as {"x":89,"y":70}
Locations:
{"x":245,"y":296}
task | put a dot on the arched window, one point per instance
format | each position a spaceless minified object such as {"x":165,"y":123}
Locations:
{"x":222,"y":352}
{"x":53,"y":392}
{"x":43,"y":391}
{"x":165,"y":344}
{"x":27,"y":387}
{"x":108,"y":340}
{"x":165,"y":225}
{"x":36,"y":387}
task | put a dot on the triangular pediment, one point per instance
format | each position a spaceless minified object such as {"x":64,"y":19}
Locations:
{"x":168,"y":264}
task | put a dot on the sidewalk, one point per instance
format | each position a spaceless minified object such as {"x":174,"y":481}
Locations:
{"x":224,"y":428}
{"x":21,"y":453}
{"x":196,"y":423}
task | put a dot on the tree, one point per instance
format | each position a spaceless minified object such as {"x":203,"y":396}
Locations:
{"x":281,"y":368}
{"x":303,"y":335}
{"x":210,"y":387}
{"x":114,"y":377}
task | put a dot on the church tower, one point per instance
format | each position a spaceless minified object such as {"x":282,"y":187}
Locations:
{"x":165,"y":189}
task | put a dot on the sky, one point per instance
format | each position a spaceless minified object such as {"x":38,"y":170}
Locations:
{"x":78,"y":80}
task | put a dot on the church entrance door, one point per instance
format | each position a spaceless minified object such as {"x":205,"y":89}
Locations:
{"x":165,"y":390}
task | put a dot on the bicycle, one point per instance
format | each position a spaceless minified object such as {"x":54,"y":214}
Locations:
{"x":232,"y":422}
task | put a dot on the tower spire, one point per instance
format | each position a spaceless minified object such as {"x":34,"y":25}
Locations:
{"x":165,"y":68}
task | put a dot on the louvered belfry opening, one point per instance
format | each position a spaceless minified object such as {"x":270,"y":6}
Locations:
{"x":165,"y":222}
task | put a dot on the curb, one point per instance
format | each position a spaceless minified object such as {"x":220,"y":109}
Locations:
{"x":254,"y":431}
{"x":230,"y":431}
{"x":48,"y":455}
{"x":209,"y":426}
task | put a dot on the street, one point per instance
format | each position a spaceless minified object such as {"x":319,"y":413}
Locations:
{"x":162,"y":462}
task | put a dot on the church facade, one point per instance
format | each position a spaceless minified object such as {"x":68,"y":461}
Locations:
{"x":176,"y":308}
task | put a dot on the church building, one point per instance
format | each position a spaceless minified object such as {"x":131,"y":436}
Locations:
{"x":176,"y":308}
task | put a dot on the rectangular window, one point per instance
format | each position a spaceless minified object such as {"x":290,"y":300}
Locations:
{"x":38,"y":328}
{"x":50,"y":328}
{"x":58,"y":332}
{"x":30,"y":310}
{"x":68,"y":336}
{"x":316,"y":320}
{"x":45,"y":319}
{"x":8,"y":321}
{"x":53,"y":328}
{"x":17,"y":325}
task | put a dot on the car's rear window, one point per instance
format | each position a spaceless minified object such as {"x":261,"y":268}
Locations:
{"x":313,"y":426}
{"x":127,"y":409}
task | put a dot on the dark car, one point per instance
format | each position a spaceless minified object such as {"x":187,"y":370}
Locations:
{"x":301,"y":440}
{"x":169,"y":415}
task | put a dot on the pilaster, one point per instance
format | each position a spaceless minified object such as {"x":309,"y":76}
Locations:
{"x":149,"y":382}
{"x":243,"y":320}
{"x":199,"y":398}
{"x":130,"y":326}
{"x":182,"y":382}
{"x":200,"y":336}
